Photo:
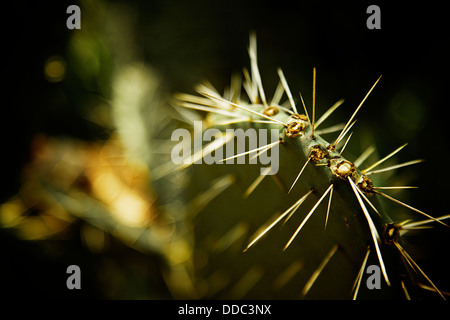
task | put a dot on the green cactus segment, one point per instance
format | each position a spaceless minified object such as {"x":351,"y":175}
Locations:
{"x":308,"y":231}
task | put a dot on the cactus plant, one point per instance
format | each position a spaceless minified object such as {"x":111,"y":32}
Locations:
{"x":310,"y":229}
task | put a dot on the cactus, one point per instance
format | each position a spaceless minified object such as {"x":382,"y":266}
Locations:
{"x":308,"y":230}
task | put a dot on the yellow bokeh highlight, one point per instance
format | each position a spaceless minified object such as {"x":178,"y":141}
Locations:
{"x":55,"y":69}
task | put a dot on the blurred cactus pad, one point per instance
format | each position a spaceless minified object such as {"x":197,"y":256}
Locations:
{"x":185,"y":151}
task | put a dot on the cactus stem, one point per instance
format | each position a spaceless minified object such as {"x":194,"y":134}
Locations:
{"x":308,"y":216}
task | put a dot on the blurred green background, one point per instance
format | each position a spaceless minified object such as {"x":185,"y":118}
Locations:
{"x":60,"y":127}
